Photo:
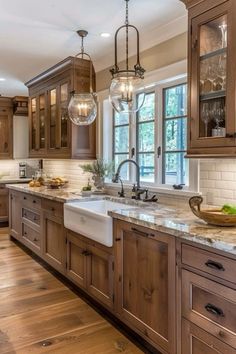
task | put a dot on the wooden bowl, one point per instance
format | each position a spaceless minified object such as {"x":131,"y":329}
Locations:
{"x":211,"y":216}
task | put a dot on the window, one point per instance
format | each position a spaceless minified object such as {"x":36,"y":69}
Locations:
{"x":156,"y":138}
{"x":121,"y":142}
{"x":175,"y":135}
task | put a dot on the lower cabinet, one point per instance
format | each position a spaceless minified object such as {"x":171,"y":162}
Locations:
{"x":54,"y":241}
{"x":3,"y":203}
{"x":90,"y":265}
{"x":197,"y":341}
{"x":145,"y":283}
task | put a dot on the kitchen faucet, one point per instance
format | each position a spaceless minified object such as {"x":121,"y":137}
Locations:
{"x":138,"y":191}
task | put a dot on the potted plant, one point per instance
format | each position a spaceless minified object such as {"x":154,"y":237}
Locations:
{"x":99,"y":170}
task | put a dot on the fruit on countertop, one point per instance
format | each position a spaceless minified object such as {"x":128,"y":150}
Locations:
{"x":57,"y":182}
{"x":229,"y":209}
{"x":34,"y":183}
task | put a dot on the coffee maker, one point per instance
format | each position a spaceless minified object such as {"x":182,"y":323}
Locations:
{"x":22,"y":169}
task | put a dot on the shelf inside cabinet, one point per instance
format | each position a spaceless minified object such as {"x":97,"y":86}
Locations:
{"x":213,"y":54}
{"x":212,"y":95}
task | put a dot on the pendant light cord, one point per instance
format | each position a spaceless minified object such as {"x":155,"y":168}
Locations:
{"x":127,"y":34}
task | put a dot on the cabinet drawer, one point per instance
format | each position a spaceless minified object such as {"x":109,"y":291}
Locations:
{"x":210,"y":306}
{"x":209,"y":262}
{"x":31,"y":216}
{"x":31,"y":201}
{"x":31,"y":235}
{"x":55,"y":208}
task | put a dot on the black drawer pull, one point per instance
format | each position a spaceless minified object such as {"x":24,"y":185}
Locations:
{"x":214,"y":265}
{"x":141,"y":233}
{"x":34,"y":201}
{"x":86,"y":253}
{"x":25,"y":198}
{"x":25,"y":233}
{"x":35,"y":218}
{"x":52,"y":209}
{"x":117,"y":239}
{"x":214,"y":310}
{"x":35,"y":239}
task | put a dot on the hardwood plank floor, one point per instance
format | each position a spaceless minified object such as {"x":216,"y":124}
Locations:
{"x":40,"y":314}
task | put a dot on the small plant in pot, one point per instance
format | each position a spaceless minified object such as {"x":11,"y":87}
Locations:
{"x":99,"y":170}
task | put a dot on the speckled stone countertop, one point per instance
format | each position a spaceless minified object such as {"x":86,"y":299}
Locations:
{"x":177,"y":222}
{"x":60,"y":195}
{"x":6,"y":180}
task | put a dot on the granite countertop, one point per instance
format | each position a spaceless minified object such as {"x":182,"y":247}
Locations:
{"x":181,"y":223}
{"x":6,"y":180}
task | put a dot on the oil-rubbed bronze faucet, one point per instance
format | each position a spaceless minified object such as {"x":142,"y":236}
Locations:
{"x":137,"y":190}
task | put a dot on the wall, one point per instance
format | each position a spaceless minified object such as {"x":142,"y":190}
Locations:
{"x":218,"y":181}
{"x":163,"y":54}
{"x":10,"y":168}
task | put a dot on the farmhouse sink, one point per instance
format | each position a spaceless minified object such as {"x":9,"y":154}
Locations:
{"x":90,"y":219}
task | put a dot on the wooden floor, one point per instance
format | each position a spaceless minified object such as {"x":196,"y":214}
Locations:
{"x":39,"y":314}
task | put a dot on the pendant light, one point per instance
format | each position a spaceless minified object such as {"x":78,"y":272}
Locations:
{"x":82,"y":107}
{"x":125,"y":82}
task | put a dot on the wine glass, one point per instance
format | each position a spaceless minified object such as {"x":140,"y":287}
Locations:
{"x":222,"y":72}
{"x":218,"y":113}
{"x":205,"y":116}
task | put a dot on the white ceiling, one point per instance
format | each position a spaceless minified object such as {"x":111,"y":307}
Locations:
{"x":37,"y":34}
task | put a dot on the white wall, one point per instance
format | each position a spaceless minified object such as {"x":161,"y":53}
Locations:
{"x":20,"y":137}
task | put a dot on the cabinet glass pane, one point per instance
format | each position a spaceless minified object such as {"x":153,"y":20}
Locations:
{"x":213,"y":35}
{"x":33,"y":128}
{"x":53,"y":118}
{"x":213,"y":78}
{"x":64,"y":115}
{"x":42,"y":121}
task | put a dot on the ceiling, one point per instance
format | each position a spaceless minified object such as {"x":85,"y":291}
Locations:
{"x":35,"y":35}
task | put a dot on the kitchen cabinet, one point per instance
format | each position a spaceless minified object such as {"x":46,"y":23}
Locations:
{"x":211,"y":72}
{"x":145,"y":283}
{"x":208,"y":300}
{"x":15,"y":216}
{"x":52,"y":134}
{"x":90,"y":265}
{"x":6,"y":124}
{"x":3,"y":203}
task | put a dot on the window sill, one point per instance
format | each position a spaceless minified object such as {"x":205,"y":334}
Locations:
{"x":183,"y":193}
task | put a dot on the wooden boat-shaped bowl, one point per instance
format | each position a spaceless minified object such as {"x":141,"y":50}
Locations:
{"x":211,"y":216}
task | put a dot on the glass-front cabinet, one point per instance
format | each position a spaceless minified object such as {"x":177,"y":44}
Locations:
{"x":52,"y":134}
{"x":211,"y":79}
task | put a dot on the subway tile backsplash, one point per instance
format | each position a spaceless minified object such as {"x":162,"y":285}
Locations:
{"x":218,"y":181}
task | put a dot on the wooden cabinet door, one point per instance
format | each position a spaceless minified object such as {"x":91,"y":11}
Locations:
{"x":54,"y":241}
{"x":76,"y":259}
{"x":84,"y":141}
{"x":197,"y":341}
{"x":6,"y":133}
{"x":145,"y":280}
{"x":15,"y":216}
{"x":3,"y":203}
{"x":212,"y":98}
{"x":100,"y":275}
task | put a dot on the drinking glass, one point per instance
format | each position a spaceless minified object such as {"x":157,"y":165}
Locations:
{"x":205,"y":116}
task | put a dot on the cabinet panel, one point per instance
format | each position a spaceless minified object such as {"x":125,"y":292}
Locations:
{"x":3,"y":203}
{"x":15,"y":209}
{"x":100,"y":275}
{"x":197,"y":341}
{"x":76,"y":260}
{"x":146,"y":283}
{"x":54,"y":244}
{"x":31,"y":237}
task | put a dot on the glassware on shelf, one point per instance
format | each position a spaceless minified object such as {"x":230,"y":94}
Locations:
{"x":206,"y":116}
{"x":218,"y":114}
{"x":223,"y":29}
{"x":222,"y":72}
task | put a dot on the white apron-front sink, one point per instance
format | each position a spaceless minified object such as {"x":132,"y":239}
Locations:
{"x":90,"y":219}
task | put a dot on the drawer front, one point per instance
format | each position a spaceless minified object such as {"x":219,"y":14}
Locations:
{"x":31,"y":201}
{"x":56,"y":208}
{"x":31,"y":235}
{"x":209,"y":262}
{"x":210,"y":306}
{"x":31,"y":216}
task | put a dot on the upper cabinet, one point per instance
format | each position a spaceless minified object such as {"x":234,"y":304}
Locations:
{"x":211,"y":78}
{"x":52,"y":134}
{"x":6,"y":128}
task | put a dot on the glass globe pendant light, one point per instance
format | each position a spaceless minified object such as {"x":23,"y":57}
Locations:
{"x":127,"y":81}
{"x":82,"y":108}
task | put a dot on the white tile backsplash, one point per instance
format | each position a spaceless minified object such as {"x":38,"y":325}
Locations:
{"x":218,"y":181}
{"x":10,"y":168}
